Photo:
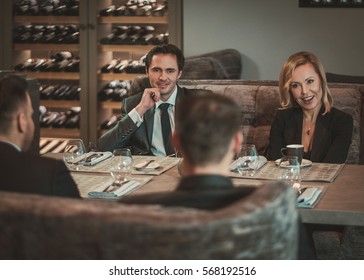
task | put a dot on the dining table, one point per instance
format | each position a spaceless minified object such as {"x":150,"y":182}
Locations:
{"x":341,"y":202}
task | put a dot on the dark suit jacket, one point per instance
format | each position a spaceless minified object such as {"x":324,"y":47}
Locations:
{"x":211,"y":192}
{"x":207,"y":192}
{"x":127,"y":134}
{"x":331,"y":140}
{"x":29,"y":173}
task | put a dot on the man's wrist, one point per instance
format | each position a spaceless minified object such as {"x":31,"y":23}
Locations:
{"x":136,"y":117}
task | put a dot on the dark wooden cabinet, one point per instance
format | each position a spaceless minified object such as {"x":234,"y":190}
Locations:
{"x":93,"y":55}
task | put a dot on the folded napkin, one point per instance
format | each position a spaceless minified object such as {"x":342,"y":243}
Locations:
{"x":262,"y":160}
{"x":93,"y":158}
{"x":119,"y":192}
{"x":309,"y":197}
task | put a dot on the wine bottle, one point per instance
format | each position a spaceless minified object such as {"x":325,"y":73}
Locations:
{"x":61,"y":56}
{"x":49,"y":66}
{"x":73,"y":122}
{"x":135,"y":67}
{"x":60,"y":92}
{"x":47,"y":92}
{"x":26,"y":7}
{"x":73,"y":7}
{"x":110,"y":123}
{"x":120,"y":11}
{"x":110,"y":66}
{"x":60,"y":120}
{"x":119,"y":94}
{"x":108,"y":11}
{"x":73,"y":65}
{"x":72,"y":38}
{"x":73,"y":93}
{"x":48,"y":119}
{"x":106,"y":94}
{"x":120,"y":68}
{"x":61,"y":65}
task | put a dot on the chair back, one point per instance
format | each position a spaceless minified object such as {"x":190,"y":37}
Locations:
{"x":261,"y":226}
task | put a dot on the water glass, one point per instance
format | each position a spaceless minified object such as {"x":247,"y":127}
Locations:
{"x":289,"y":171}
{"x":74,"y":154}
{"x":248,"y":160}
{"x":122,"y":163}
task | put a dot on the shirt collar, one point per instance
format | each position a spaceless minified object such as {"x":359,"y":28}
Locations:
{"x":12,"y":144}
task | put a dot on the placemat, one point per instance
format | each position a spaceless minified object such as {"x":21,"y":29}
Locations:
{"x":87,"y":182}
{"x":318,"y":172}
{"x":165,"y":163}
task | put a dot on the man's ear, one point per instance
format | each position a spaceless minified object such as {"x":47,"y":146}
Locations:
{"x":179,"y":75}
{"x":21,"y":121}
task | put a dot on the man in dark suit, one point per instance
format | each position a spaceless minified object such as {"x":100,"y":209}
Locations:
{"x":140,"y":126}
{"x":20,"y":171}
{"x":208,"y":135}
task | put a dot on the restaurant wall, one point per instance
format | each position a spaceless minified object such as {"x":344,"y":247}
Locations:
{"x":266,"y":32}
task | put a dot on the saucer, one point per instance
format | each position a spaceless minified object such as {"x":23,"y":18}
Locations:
{"x":304,"y":163}
{"x":150,"y":166}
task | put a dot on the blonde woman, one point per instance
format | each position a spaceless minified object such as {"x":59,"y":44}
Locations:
{"x":307,"y":115}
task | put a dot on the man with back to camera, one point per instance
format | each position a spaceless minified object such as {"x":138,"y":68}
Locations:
{"x":208,"y":135}
{"x":20,"y":171}
{"x":140,"y":125}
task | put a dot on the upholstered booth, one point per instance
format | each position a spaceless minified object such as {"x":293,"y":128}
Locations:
{"x":261,"y":226}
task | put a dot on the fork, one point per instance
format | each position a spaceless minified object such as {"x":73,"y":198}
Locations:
{"x":146,"y":164}
{"x":114,"y":186}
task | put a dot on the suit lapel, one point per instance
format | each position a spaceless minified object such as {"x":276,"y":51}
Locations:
{"x":149,"y":123}
{"x":319,"y":137}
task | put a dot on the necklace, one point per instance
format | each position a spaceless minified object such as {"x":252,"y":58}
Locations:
{"x":308,"y":132}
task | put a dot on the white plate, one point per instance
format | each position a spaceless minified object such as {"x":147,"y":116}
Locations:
{"x":150,"y":166}
{"x":304,"y":163}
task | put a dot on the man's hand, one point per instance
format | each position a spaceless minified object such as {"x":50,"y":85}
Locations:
{"x":149,"y":98}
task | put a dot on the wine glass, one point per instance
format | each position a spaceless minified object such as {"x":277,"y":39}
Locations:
{"x":74,"y":154}
{"x":121,"y":166}
{"x":248,"y":160}
{"x":289,"y":172}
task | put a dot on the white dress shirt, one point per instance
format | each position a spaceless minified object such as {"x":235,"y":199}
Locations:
{"x":157,"y":139}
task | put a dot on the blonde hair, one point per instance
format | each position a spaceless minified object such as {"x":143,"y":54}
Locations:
{"x":285,"y":79}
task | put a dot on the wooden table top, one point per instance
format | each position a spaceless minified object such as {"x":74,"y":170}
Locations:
{"x":341,"y":204}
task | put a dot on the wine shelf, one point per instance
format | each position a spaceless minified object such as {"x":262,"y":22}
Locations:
{"x":125,"y":48}
{"x":133,"y":20}
{"x":114,"y":105}
{"x":93,"y":56}
{"x":47,"y":19}
{"x":52,"y":75}
{"x":60,"y":103}
{"x":46,"y":47}
{"x":117,"y":76}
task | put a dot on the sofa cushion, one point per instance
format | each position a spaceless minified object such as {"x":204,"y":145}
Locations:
{"x":339,"y":78}
{"x":222,"y":64}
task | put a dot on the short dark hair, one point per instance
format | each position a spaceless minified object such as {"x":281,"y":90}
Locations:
{"x":13,"y":90}
{"x":205,"y":125}
{"x":166,"y":49}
